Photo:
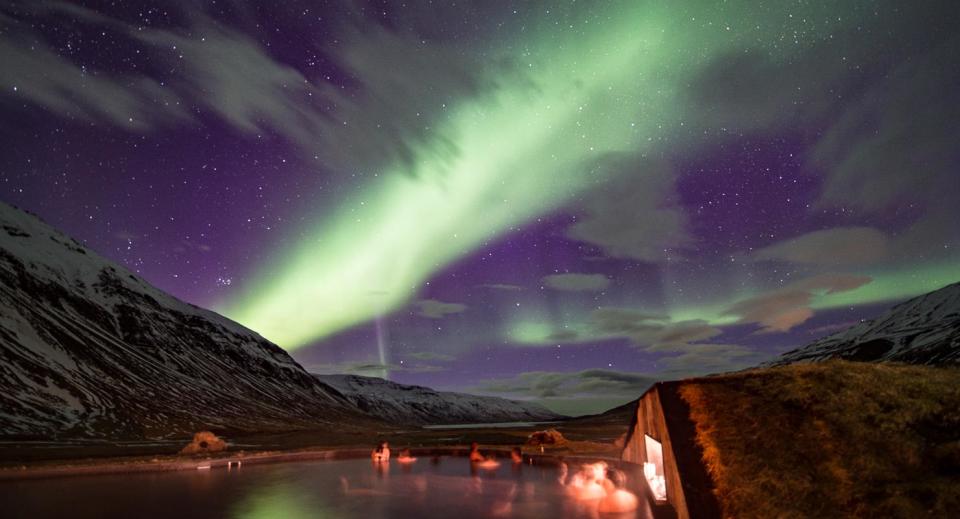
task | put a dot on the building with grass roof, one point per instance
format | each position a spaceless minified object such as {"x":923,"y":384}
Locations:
{"x":832,"y":439}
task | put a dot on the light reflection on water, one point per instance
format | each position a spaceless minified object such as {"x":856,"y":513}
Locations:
{"x":442,"y":487}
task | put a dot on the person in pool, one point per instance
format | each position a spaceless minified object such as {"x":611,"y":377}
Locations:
{"x":478,"y":460}
{"x":516,"y":455}
{"x":406,"y":457}
{"x":617,"y":499}
{"x":475,"y":455}
{"x":382,"y":452}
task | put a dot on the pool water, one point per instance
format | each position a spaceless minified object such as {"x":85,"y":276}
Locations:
{"x":444,"y":487}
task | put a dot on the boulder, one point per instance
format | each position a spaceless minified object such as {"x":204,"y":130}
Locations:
{"x":203,"y":442}
{"x":548,"y":437}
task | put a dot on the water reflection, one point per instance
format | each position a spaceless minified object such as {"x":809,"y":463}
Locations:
{"x":405,"y":457}
{"x":382,"y":468}
{"x":599,"y":489}
{"x":280,"y":500}
{"x":348,"y":489}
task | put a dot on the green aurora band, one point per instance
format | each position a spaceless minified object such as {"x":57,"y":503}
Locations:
{"x":613,"y":85}
{"x":522,"y":151}
{"x":534,"y":327}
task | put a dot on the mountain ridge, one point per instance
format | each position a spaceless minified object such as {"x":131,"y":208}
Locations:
{"x":421,"y":405}
{"x":91,"y":350}
{"x":921,"y":330}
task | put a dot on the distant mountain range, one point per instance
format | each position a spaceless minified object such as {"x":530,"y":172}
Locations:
{"x":923,"y":330}
{"x":88,"y":349}
{"x":422,"y":405}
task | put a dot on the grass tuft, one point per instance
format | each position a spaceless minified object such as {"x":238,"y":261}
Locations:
{"x":834,"y":439}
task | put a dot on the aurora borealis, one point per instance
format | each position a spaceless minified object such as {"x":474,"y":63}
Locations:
{"x":558,"y":201}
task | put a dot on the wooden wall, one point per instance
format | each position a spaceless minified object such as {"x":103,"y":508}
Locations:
{"x":650,"y":420}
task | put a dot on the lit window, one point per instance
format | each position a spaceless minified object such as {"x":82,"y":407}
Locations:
{"x":653,"y":468}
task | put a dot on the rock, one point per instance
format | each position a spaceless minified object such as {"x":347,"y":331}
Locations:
{"x":204,"y":441}
{"x":548,"y":437}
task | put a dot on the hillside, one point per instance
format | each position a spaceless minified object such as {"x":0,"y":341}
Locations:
{"x":922,"y":330}
{"x":833,"y":439}
{"x":90,"y":350}
{"x":399,"y":403}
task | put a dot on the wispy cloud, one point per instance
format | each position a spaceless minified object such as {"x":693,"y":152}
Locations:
{"x":649,"y":331}
{"x":546,"y":384}
{"x":884,"y":144}
{"x":222,"y":71}
{"x":708,"y":358}
{"x":34,"y":73}
{"x":371,"y":369}
{"x":643,"y":329}
{"x":633,"y":215}
{"x":501,"y":286}
{"x":836,"y":246}
{"x":782,"y":309}
{"x":434,"y":309}
{"x":430,"y":356}
{"x":680,"y":361}
{"x":574,"y":282}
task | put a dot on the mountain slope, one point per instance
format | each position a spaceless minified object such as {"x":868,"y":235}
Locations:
{"x":923,"y":330}
{"x":90,"y":350}
{"x":401,"y":403}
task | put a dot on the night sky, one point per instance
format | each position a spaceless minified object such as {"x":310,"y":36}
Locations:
{"x":561,"y":201}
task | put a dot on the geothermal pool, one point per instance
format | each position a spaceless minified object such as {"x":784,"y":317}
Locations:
{"x":445,"y":487}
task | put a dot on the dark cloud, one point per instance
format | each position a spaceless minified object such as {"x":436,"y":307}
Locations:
{"x":836,"y":246}
{"x":219,"y":70}
{"x":831,"y":283}
{"x":573,"y":282}
{"x":880,"y":114}
{"x":577,"y":392}
{"x":687,"y":360}
{"x":682,"y":333}
{"x":388,"y":118}
{"x":909,"y":153}
{"x":702,"y":359}
{"x":232,"y":75}
{"x":750,"y":89}
{"x":434,"y":309}
{"x":783,"y":309}
{"x":405,"y":90}
{"x":564,"y":336}
{"x":816,"y":81}
{"x":652,"y":332}
{"x":543,"y":384}
{"x":913,"y":122}
{"x":430,"y":356}
{"x":624,"y":321}
{"x":371,"y":369}
{"x":35,"y":74}
{"x":634,"y":214}
{"x":775,"y":312}
{"x":501,"y":286}
{"x":649,"y":330}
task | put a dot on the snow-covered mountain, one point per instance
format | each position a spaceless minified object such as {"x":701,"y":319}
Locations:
{"x":89,"y":349}
{"x":923,"y":330}
{"x":401,"y":403}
